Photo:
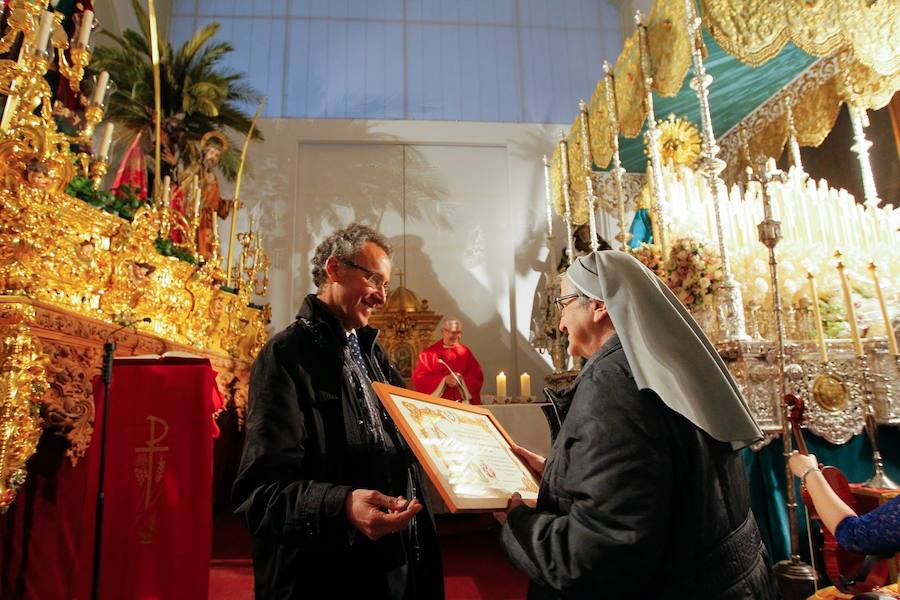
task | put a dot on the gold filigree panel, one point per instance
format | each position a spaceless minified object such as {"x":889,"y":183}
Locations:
{"x":22,"y":384}
{"x":755,"y":31}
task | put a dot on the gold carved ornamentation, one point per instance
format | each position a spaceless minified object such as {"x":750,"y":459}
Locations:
{"x":22,"y":384}
{"x":406,"y":327}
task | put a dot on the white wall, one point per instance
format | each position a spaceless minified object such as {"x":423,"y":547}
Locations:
{"x":476,"y":216}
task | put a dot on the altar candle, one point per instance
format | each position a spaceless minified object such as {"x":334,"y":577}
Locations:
{"x":848,"y":304}
{"x":100,"y":90}
{"x":84,"y":32}
{"x":501,"y":385}
{"x":43,"y":35}
{"x":525,"y":384}
{"x":106,"y":141}
{"x":888,"y":330}
{"x":820,"y":331}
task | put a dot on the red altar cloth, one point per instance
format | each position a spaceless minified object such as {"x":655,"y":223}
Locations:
{"x":157,"y":525}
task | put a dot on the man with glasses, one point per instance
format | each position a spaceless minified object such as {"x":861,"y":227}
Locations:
{"x":448,"y":368}
{"x":327,"y":486}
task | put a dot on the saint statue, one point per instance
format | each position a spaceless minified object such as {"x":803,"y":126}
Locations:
{"x":212,"y":146}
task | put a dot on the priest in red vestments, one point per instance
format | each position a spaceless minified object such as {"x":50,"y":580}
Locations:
{"x":449,"y":369}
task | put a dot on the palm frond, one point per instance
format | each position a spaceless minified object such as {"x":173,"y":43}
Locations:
{"x":193,"y":87}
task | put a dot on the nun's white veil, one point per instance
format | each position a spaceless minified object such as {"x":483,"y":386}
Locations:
{"x":666,"y":349}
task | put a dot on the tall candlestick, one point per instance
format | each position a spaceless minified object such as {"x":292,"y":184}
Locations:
{"x":106,"y":141}
{"x":848,"y":302}
{"x":888,"y":329}
{"x":501,"y":385}
{"x":100,"y":90}
{"x":525,"y":385}
{"x":820,"y":331}
{"x":549,"y":197}
{"x":84,"y":31}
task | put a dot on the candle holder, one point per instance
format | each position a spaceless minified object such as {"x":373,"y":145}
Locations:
{"x":567,"y":217}
{"x":98,"y":170}
{"x":731,"y":306}
{"x":587,"y":165}
{"x":652,"y":138}
{"x":80,"y":55}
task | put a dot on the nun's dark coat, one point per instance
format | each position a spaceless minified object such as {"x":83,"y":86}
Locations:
{"x":636,"y":501}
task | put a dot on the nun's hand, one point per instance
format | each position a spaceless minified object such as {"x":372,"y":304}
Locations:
{"x":535,"y":461}
{"x":514,"y":501}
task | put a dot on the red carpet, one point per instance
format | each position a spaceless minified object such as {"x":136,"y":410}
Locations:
{"x":474,"y":565}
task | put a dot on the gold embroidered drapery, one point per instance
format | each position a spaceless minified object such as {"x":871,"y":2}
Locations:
{"x":755,"y":31}
{"x":859,"y":40}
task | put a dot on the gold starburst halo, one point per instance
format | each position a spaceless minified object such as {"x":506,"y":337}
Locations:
{"x":679,"y":142}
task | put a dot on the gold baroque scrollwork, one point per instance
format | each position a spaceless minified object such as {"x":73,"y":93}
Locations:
{"x":22,"y":384}
{"x":67,"y":407}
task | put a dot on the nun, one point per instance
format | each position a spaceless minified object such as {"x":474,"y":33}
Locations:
{"x":644,"y":493}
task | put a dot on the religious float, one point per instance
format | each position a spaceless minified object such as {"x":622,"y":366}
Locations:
{"x":73,"y":276}
{"x":796,"y":283}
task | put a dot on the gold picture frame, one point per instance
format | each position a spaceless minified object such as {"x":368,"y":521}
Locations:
{"x":463,"y":449}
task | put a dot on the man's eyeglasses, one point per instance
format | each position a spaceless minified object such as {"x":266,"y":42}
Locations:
{"x":563,"y":301}
{"x":376,"y":280}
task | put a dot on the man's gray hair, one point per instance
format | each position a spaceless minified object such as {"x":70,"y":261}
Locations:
{"x":344,"y":244}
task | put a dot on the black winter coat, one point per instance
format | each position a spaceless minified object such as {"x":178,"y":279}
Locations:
{"x":306,"y":448}
{"x":636,"y":501}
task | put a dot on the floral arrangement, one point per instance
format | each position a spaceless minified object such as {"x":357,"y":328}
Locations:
{"x":650,"y":255}
{"x":693,"y":273}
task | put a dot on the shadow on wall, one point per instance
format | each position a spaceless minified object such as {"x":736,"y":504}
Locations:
{"x":379,"y":191}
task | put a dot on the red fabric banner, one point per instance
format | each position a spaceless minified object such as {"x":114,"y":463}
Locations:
{"x":157,"y":524}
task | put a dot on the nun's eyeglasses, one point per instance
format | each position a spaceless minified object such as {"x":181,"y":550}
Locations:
{"x":563,"y":301}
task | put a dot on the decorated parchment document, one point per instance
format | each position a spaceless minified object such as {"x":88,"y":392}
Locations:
{"x":463,"y":449}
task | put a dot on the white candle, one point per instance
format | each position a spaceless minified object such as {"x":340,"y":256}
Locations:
{"x":525,"y":384}
{"x":43,"y":35}
{"x":501,"y":385}
{"x":100,"y":90}
{"x":166,"y":190}
{"x":84,"y":32}
{"x":106,"y":141}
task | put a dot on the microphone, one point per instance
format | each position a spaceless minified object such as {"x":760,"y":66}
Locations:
{"x":130,"y":323}
{"x":109,"y":347}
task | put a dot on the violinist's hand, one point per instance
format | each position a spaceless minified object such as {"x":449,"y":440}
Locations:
{"x":801,"y":463}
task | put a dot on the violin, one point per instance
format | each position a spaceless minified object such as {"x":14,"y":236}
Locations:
{"x":850,"y":572}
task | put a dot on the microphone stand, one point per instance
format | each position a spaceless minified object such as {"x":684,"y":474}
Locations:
{"x":106,"y":373}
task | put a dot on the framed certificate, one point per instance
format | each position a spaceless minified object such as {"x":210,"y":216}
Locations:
{"x":463,"y":449}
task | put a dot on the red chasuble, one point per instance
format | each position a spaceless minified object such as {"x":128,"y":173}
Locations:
{"x":428,"y":376}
